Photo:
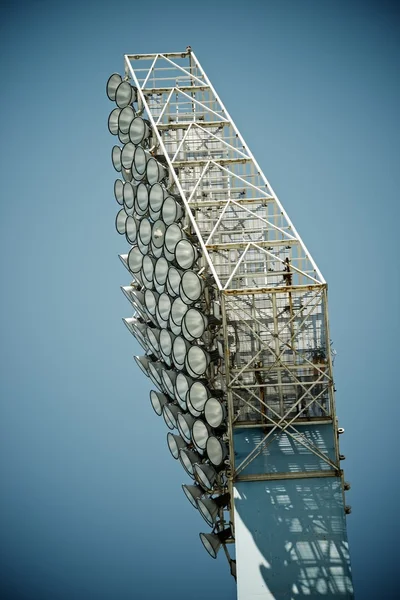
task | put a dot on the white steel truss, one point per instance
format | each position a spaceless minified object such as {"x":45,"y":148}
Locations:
{"x":277,"y":367}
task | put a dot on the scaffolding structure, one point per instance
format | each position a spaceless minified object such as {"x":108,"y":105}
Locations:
{"x":261,"y":284}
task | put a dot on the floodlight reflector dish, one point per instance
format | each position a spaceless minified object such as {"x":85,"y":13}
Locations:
{"x":191,"y":288}
{"x":189,"y":459}
{"x":170,"y":414}
{"x":196,"y":398}
{"x":205,"y":475}
{"x":148,"y":267}
{"x":185,"y":254}
{"x":180,"y":349}
{"x":123,"y":137}
{"x":192,"y":493}
{"x":171,"y":211}
{"x":194,"y":324}
{"x":131,"y":229}
{"x":129,"y":195}
{"x":139,"y":130}
{"x":126,"y":174}
{"x":157,"y":194}
{"x":158,"y":400}
{"x":153,"y":336}
{"x":216,"y":450}
{"x":112,"y":84}
{"x":175,"y":444}
{"x":126,"y":117}
{"x":209,"y":507}
{"x":120,"y":221}
{"x":166,"y":341}
{"x":164,"y":306}
{"x":174,"y":281}
{"x":143,"y":363}
{"x":151,"y":299}
{"x":135,"y":260}
{"x":168,"y":379}
{"x":178,"y":310}
{"x":142,"y":196}
{"x":208,"y":510}
{"x":116,"y":158}
{"x":158,"y":234}
{"x":200,"y":434}
{"x":127,"y":155}
{"x":119,"y":191}
{"x":140,"y":159}
{"x":155,"y":171}
{"x":113,"y":121}
{"x":212,"y":541}
{"x":173,"y":235}
{"x":184,"y":423}
{"x":145,"y":232}
{"x":197,"y":361}
{"x":161,"y":267}
{"x":215,"y":412}
{"x":125,"y":94}
{"x":182,"y":385}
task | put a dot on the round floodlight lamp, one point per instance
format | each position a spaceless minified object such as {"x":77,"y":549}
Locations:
{"x":184,"y":424}
{"x":180,"y":349}
{"x":182,"y":385}
{"x":171,"y":211}
{"x":119,"y":191}
{"x":157,"y":194}
{"x":209,"y":507}
{"x":139,"y":130}
{"x":155,"y":171}
{"x":116,"y":158}
{"x":158,"y":400}
{"x":173,"y":235}
{"x":215,"y":412}
{"x":135,"y":259}
{"x":217,"y":451}
{"x":196,"y":398}
{"x":143,"y":363}
{"x":145,"y":232}
{"x":129,"y":195}
{"x":140,"y":160}
{"x":200,"y":434}
{"x":170,"y":414}
{"x":191,"y":287}
{"x":198,"y":360}
{"x":123,"y":137}
{"x":178,"y":310}
{"x":112,"y":84}
{"x":175,"y":444}
{"x":150,"y":300}
{"x":142,"y":199}
{"x":168,"y":378}
{"x":113,"y":121}
{"x":120,"y":221}
{"x":126,"y":117}
{"x":125,"y":94}
{"x":212,"y":542}
{"x":185,"y":254}
{"x":127,"y":155}
{"x":194,"y":324}
{"x":192,"y":493}
{"x":189,"y":459}
{"x":206,"y":475}
{"x":173,"y":281}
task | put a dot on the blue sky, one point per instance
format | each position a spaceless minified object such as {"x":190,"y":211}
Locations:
{"x":91,"y":504}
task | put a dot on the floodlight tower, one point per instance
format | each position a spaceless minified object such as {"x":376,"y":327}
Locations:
{"x":231,"y":311}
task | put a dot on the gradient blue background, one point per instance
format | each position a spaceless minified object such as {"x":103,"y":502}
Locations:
{"x":91,"y":505}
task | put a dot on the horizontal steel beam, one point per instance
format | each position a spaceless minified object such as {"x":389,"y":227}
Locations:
{"x":291,"y":475}
{"x":302,"y":421}
{"x":273,"y":290}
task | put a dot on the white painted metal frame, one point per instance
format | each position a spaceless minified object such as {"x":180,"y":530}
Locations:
{"x":279,"y":346}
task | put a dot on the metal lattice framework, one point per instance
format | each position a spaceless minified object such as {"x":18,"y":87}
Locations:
{"x":275,"y":366}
